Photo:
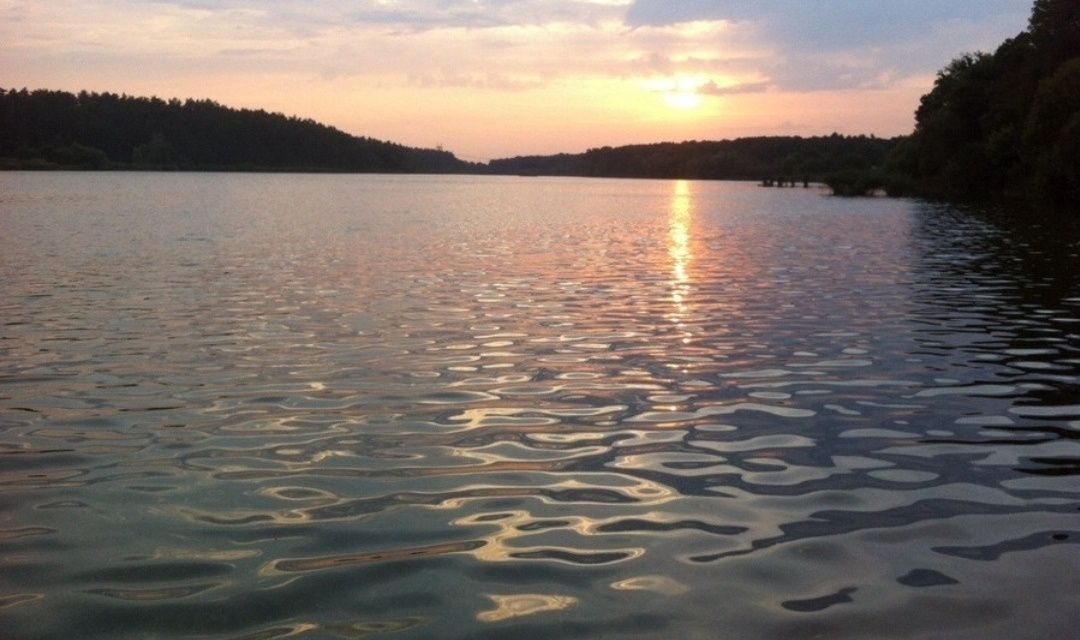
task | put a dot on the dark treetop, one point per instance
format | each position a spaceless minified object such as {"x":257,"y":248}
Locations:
{"x":1005,"y":123}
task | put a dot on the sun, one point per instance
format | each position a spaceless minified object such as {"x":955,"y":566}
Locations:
{"x":682,"y":100}
{"x":680,"y":93}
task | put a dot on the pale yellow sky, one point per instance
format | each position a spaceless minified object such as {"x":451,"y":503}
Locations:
{"x":493,"y":78}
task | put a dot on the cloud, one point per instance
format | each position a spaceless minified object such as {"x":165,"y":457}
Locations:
{"x":846,"y":44}
{"x":487,"y":81}
{"x":789,"y":45}
{"x":711,"y":88}
{"x":412,"y":15}
{"x":827,"y":23}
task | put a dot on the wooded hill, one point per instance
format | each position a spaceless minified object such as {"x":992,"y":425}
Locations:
{"x":51,"y":129}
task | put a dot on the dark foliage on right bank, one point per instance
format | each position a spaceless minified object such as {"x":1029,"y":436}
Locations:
{"x":1002,"y":124}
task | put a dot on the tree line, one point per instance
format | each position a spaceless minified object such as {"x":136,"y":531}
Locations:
{"x":1001,"y":124}
{"x":44,"y":129}
{"x":55,"y":129}
{"x":773,"y":159}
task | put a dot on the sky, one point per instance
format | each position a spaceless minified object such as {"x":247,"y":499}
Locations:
{"x":498,"y":78}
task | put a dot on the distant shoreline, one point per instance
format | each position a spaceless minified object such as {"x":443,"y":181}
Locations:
{"x":43,"y":130}
{"x":329,"y":172}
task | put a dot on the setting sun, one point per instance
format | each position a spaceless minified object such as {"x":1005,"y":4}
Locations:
{"x":679,"y":93}
{"x":684,"y":100}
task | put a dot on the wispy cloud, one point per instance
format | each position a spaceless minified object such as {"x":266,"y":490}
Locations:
{"x":711,"y":88}
{"x":847,"y":44}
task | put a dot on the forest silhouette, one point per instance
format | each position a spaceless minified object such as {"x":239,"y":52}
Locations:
{"x":1005,"y":123}
{"x":55,"y":129}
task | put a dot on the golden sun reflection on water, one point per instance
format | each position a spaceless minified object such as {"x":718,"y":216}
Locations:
{"x":528,"y":604}
{"x":679,"y":219}
{"x":657,"y":584}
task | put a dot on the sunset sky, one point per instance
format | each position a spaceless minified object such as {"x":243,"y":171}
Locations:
{"x":494,"y":78}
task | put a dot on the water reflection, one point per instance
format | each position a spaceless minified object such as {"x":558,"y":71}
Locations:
{"x":515,"y":606}
{"x":488,"y":408}
{"x":679,"y":220}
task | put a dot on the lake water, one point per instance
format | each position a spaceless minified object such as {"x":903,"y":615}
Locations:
{"x":268,"y":406}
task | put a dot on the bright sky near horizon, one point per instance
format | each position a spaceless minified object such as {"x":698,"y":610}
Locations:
{"x":495,"y":78}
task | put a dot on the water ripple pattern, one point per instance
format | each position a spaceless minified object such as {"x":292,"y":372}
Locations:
{"x":299,"y":406}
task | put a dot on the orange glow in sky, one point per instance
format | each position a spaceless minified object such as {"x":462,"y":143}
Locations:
{"x":487,"y":78}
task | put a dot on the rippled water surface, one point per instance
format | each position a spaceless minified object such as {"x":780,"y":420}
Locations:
{"x":267,"y":406}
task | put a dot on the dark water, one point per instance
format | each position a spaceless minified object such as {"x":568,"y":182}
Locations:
{"x":255,"y":406}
